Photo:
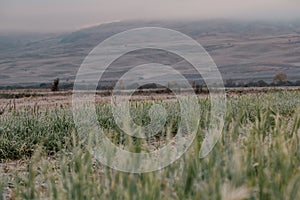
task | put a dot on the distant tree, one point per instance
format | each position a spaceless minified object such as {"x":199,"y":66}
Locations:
{"x":280,"y":78}
{"x":199,"y":88}
{"x":43,"y":85}
{"x":262,"y":83}
{"x":230,"y":83}
{"x":149,"y":86}
{"x":297,"y":83}
{"x":133,"y":86}
{"x":121,"y":85}
{"x":194,"y":85}
{"x":240,"y":84}
{"x":252,"y":84}
{"x":288,"y":83}
{"x":55,"y":84}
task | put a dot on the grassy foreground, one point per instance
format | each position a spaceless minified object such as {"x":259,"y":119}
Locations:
{"x":256,"y":158}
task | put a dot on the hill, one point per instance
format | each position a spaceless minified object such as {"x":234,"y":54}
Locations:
{"x":243,"y":51}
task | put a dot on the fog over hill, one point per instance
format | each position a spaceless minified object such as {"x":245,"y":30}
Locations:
{"x":243,"y":51}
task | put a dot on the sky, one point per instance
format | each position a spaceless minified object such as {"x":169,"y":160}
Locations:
{"x":67,"y":15}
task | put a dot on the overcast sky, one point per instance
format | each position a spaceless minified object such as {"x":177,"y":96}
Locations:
{"x":63,"y":15}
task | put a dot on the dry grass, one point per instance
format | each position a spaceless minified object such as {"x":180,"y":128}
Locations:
{"x":256,"y":158}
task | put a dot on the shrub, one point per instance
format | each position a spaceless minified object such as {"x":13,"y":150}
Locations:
{"x":280,"y":78}
{"x":55,"y":85}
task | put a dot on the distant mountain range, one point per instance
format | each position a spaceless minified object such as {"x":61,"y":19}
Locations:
{"x":243,"y":51}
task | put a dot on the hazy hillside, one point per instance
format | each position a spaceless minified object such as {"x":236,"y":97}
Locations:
{"x":243,"y":50}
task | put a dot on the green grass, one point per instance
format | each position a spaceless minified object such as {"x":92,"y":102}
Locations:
{"x":256,"y":158}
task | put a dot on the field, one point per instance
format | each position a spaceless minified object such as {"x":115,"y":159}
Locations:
{"x":257,"y":156}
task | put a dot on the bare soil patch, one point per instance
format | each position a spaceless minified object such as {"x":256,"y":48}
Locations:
{"x":20,"y":99}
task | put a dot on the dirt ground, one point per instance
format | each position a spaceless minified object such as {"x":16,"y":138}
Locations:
{"x":18,"y":99}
